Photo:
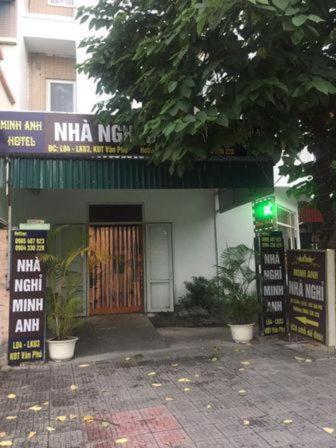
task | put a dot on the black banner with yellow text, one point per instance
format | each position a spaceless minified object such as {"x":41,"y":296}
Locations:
{"x":27,"y":298}
{"x":307,"y":293}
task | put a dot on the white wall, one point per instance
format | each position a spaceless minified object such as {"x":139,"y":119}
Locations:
{"x":191,"y":213}
{"x":14,"y":64}
{"x":236,"y":225}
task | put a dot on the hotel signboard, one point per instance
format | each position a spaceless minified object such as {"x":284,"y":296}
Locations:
{"x":307,"y":288}
{"x":27,"y":298}
{"x":272,"y":282}
{"x":72,"y":136}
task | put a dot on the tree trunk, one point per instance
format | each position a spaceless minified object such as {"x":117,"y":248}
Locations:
{"x":324,"y":178}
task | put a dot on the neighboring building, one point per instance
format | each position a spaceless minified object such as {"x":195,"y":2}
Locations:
{"x":160,"y":230}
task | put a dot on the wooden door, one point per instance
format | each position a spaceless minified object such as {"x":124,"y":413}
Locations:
{"x":116,"y":282}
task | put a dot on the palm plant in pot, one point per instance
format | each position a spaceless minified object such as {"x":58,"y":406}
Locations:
{"x":64,"y":303}
{"x":237,"y":292}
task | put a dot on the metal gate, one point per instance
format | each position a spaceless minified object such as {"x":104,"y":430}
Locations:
{"x":116,"y":282}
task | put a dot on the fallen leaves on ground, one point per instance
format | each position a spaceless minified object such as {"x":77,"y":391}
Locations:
{"x":239,"y":350}
{"x":196,"y":375}
{"x":88,"y":418}
{"x":6,"y":443}
{"x":128,"y":358}
{"x":11,"y":396}
{"x":72,"y":416}
{"x":11,"y":417}
{"x":50,"y":429}
{"x":35,"y":408}
{"x":73,"y":387}
{"x":213,"y":358}
{"x":187,"y":389}
{"x":209,"y":406}
{"x":246,"y":422}
{"x":242,"y":392}
{"x":61,"y":418}
{"x":241,"y":369}
{"x":156,"y":384}
{"x":2,"y":435}
{"x":31,"y":434}
{"x":299,"y":358}
{"x":287,"y":421}
{"x":184,"y":380}
{"x":329,"y":430}
{"x":151,"y":374}
{"x":175,"y":364}
{"x":245,"y":363}
{"x":105,"y":424}
{"x":121,"y":441}
{"x":82,"y":366}
{"x":169,"y":398}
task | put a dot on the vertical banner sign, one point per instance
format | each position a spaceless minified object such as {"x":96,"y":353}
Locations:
{"x":307,"y":293}
{"x":27,"y":298}
{"x":273,"y":280}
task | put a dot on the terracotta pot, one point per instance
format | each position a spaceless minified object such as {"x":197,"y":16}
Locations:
{"x":62,"y":350}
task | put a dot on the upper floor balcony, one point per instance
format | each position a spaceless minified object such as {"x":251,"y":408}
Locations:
{"x":48,"y":29}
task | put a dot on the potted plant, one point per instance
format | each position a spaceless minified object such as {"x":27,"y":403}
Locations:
{"x":237,"y":292}
{"x":64,"y":303}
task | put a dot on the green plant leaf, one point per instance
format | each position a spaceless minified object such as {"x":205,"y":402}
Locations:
{"x":172,"y":86}
{"x":315,"y":18}
{"x":321,"y":86}
{"x":299,"y":20}
{"x":297,"y":37}
{"x":223,"y":120}
{"x":201,"y":24}
{"x":281,"y":4}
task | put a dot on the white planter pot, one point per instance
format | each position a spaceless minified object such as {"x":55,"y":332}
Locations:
{"x":242,"y":334}
{"x":62,"y":350}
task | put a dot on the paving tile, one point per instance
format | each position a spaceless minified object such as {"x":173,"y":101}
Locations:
{"x":119,"y":395}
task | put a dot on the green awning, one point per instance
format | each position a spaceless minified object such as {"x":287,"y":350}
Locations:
{"x":56,"y":174}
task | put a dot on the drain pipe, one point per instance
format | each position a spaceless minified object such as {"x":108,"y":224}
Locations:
{"x":9,"y":202}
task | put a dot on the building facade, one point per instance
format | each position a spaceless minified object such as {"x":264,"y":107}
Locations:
{"x":157,"y":230}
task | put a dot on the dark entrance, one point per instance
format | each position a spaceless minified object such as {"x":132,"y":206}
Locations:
{"x":116,"y":283}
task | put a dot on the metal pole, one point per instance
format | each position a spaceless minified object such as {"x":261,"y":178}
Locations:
{"x":9,"y":201}
{"x":259,"y":282}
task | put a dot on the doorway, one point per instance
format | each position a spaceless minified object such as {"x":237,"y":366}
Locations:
{"x":116,"y":281}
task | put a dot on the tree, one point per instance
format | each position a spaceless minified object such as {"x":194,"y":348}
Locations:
{"x":208,"y":73}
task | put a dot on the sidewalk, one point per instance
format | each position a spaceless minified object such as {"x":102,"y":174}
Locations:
{"x":204,"y":393}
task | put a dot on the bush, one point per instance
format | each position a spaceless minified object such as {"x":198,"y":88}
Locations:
{"x":236,"y":282}
{"x":200,"y":294}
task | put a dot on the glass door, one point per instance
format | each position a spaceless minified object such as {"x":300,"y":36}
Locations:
{"x":160,"y":294}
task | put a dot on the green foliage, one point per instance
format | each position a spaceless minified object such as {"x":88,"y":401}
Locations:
{"x":64,"y":293}
{"x":200,"y":293}
{"x":236,"y":285}
{"x":259,"y":73}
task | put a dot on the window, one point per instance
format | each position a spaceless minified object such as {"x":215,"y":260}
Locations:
{"x":286,"y":223}
{"x":60,"y":96}
{"x":70,"y":3}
